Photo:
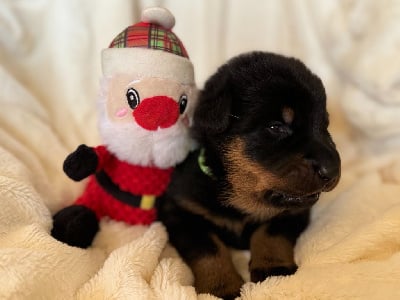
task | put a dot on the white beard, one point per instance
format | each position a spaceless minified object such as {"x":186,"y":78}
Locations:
{"x":131,"y":143}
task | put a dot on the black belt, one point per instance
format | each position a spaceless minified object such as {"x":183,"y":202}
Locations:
{"x":143,"y":201}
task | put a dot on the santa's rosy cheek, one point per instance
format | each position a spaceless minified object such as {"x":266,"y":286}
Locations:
{"x":185,"y":121}
{"x":121,"y":112}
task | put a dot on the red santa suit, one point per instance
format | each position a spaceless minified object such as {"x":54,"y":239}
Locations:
{"x":122,"y":191}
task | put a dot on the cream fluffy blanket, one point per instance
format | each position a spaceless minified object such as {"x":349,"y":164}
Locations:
{"x":49,"y":70}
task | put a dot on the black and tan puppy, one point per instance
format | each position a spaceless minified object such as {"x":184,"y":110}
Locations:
{"x":266,"y":157}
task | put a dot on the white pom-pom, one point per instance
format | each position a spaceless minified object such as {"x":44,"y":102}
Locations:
{"x":159,"y":16}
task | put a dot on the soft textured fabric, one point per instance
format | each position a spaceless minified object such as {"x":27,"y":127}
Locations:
{"x":150,"y":36}
{"x":147,"y":63}
{"x":49,"y":71}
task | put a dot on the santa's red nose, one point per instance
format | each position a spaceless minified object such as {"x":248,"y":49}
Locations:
{"x":155,"y":112}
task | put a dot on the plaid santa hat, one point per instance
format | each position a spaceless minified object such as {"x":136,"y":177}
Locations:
{"x":149,"y":49}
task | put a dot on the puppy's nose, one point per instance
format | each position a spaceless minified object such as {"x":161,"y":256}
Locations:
{"x":327,"y":172}
{"x":325,"y":161}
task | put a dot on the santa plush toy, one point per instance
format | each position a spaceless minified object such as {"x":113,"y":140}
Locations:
{"x":146,"y":104}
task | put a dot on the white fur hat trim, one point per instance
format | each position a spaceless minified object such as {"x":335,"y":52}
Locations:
{"x":145,"y":62}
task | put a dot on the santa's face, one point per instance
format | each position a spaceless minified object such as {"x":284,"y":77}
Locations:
{"x":145,"y":121}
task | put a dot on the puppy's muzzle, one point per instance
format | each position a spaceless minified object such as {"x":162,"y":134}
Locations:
{"x":317,"y":171}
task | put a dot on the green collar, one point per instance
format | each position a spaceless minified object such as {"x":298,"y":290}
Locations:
{"x":202,"y":164}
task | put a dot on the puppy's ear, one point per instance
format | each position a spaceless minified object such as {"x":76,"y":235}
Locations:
{"x":212,"y":115}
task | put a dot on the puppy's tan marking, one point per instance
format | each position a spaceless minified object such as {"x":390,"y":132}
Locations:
{"x":249,"y":182}
{"x":288,"y":115}
{"x":270,"y":251}
{"x":216,"y":274}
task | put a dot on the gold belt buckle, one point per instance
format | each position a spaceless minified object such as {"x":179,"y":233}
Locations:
{"x":147,"y":201}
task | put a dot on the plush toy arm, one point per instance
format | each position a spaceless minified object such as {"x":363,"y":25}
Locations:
{"x":81,"y":163}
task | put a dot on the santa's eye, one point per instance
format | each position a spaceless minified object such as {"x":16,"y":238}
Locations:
{"x":182,"y":103}
{"x":133,"y":98}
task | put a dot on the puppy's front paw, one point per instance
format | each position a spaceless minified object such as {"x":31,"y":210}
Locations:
{"x":260,"y":274}
{"x":226,"y":288}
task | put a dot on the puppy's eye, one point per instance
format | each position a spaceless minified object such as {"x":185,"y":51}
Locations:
{"x":182,"y":103}
{"x":132,"y":96}
{"x":278,"y":129}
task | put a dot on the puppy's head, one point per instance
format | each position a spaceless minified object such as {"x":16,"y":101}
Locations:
{"x":263,"y":117}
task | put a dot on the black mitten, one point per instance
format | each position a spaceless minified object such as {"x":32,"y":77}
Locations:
{"x":81,"y":163}
{"x":75,"y":225}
